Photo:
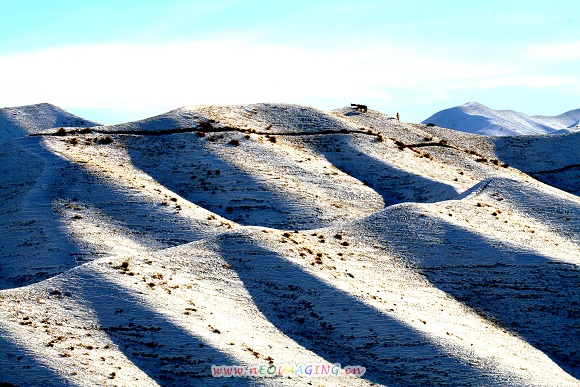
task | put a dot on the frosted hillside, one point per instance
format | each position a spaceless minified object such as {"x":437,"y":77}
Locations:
{"x":271,"y":235}
{"x":476,"y":118}
{"x":22,"y":120}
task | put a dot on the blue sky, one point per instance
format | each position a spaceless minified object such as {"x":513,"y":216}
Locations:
{"x":120,"y":60}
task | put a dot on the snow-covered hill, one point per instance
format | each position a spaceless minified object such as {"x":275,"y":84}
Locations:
{"x":22,"y":120}
{"x":276,"y":235}
{"x":476,"y":118}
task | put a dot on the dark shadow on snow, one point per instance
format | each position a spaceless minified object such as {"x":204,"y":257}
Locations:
{"x":21,"y":368}
{"x":394,"y":185}
{"x":520,"y":290}
{"x":50,"y":250}
{"x":161,"y":349}
{"x":337,"y":326}
{"x":560,"y":214}
{"x":184,"y":164}
{"x":541,"y":157}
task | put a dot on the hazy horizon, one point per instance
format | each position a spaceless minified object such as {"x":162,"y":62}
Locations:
{"x":115,"y":62}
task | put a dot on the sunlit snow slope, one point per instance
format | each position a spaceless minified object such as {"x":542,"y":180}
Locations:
{"x":274,"y":234}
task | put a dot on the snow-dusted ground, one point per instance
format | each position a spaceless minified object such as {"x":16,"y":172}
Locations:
{"x":21,"y":120}
{"x":476,"y":118}
{"x":144,"y":253}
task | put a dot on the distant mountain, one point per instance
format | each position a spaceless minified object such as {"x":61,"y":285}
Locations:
{"x":22,"y":120}
{"x":474,"y":117}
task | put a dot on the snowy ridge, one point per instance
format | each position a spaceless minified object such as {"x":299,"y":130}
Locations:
{"x":21,"y":120}
{"x":476,"y":118}
{"x":274,"y":234}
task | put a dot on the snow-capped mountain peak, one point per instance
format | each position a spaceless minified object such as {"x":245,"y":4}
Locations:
{"x":474,"y":117}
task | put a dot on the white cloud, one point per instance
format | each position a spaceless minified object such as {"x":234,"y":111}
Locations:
{"x":555,"y":53}
{"x":238,"y":70}
{"x":532,"y":80}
